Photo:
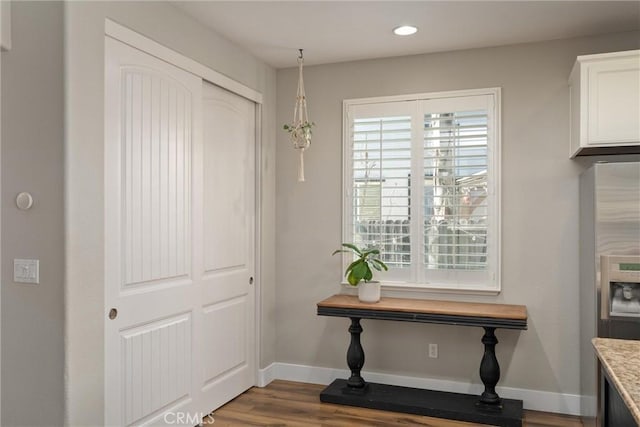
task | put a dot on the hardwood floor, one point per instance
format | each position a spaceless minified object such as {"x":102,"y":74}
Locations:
{"x":285,"y":403}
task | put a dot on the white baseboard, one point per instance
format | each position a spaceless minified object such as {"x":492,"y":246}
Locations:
{"x":589,"y":406}
{"x":532,"y":399}
{"x":266,"y":375}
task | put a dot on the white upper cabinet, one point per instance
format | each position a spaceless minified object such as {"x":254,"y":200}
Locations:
{"x":605,"y":103}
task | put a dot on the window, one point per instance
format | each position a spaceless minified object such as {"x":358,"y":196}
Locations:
{"x":421,"y":183}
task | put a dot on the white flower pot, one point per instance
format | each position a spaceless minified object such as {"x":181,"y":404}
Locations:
{"x":369,"y":292}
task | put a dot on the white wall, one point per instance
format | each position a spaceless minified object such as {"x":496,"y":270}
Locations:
{"x":540,"y":216}
{"x":32,"y":160}
{"x":84,"y":49}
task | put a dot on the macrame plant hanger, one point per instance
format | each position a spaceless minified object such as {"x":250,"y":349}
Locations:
{"x":301,"y":127}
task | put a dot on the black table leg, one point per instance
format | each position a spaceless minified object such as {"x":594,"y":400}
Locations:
{"x":489,"y":369}
{"x":490,"y":409}
{"x":355,"y":355}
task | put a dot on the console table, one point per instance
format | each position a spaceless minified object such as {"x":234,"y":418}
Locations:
{"x":488,"y":408}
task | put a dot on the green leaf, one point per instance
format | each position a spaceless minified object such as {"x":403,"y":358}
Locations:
{"x":360,"y":269}
{"x":371,"y":252}
{"x":353,"y":248}
{"x":376,"y":266}
{"x":368,"y":274}
{"x":352,"y":279}
{"x":337,"y":251}
{"x":353,"y":264}
{"x":376,"y":261}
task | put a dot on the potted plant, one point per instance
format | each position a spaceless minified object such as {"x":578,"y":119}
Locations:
{"x":300,"y":133}
{"x":361,"y":270}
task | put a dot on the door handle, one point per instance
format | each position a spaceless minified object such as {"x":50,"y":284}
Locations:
{"x":113,"y":313}
{"x":251,"y":280}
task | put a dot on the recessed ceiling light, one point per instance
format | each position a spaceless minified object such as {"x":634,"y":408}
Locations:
{"x":405,"y":30}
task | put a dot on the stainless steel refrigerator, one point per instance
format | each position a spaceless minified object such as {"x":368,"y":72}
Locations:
{"x":609,"y":266}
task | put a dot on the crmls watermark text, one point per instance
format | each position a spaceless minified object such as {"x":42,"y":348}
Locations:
{"x":188,"y":418}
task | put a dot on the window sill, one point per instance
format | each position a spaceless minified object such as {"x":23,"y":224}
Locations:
{"x":391,"y":289}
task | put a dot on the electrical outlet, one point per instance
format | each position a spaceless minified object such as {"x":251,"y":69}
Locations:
{"x":433,"y":351}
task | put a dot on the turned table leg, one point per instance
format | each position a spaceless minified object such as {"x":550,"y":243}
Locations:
{"x":489,"y":368}
{"x":355,"y":355}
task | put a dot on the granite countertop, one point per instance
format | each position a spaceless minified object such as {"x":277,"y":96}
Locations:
{"x":621,"y":360}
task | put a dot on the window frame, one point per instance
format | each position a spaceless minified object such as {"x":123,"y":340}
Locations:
{"x":415,"y":102}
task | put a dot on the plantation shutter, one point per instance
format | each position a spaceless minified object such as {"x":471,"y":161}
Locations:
{"x":381,"y":165}
{"x":420,"y":186}
{"x":378,"y":164}
{"x":455,"y":211}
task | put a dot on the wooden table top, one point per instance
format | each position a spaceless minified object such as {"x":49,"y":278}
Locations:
{"x":455,"y":308}
{"x":427,"y":311}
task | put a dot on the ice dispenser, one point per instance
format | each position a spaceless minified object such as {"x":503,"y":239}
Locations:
{"x":620,"y":296}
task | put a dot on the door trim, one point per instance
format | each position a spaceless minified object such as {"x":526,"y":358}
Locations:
{"x":257,"y":261}
{"x":153,"y":48}
{"x":5,"y":45}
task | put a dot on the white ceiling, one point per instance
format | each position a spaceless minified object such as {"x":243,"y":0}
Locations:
{"x":336,"y":31}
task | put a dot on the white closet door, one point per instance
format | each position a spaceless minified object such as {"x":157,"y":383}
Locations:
{"x":179,"y":242}
{"x":152,"y":143}
{"x":228,"y":297}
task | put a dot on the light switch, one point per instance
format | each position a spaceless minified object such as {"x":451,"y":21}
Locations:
{"x":26,"y":270}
